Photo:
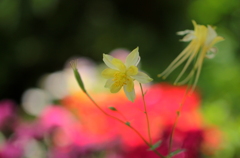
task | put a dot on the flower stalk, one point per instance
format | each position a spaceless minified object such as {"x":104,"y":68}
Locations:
{"x":146,"y":113}
{"x":178,"y":112}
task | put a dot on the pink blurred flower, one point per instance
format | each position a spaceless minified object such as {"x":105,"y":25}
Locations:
{"x":59,"y":124}
{"x":7,"y":114}
{"x":11,"y":150}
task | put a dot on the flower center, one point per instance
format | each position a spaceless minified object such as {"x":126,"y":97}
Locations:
{"x":120,"y":79}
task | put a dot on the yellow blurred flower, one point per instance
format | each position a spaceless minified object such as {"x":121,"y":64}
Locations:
{"x":202,"y":41}
{"x":121,"y":74}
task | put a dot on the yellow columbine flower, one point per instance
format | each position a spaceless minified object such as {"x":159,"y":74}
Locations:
{"x":121,"y":74}
{"x":202,"y":41}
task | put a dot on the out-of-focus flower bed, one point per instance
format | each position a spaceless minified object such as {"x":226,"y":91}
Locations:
{"x":57,"y":120}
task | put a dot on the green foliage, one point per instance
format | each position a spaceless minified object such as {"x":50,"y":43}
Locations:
{"x":178,"y":151}
{"x":128,"y":123}
{"x":156,"y":145}
{"x":112,"y":108}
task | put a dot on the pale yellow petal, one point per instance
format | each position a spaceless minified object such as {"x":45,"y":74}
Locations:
{"x":201,"y":34}
{"x":115,"y":87}
{"x":211,"y":34}
{"x":133,"y":58}
{"x":132,"y":70}
{"x":130,"y":95}
{"x":216,"y":40}
{"x":108,"y":61}
{"x":119,"y":64}
{"x":109,"y":73}
{"x":142,"y":77}
{"x":195,"y":25}
{"x":181,"y":33}
{"x":129,"y":85}
{"x":109,"y":83}
{"x":188,"y":37}
{"x":211,"y":53}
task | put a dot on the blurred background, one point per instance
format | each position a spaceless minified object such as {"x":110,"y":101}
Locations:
{"x":39,"y":36}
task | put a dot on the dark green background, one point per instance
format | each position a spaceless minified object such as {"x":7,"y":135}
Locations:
{"x":38,"y":36}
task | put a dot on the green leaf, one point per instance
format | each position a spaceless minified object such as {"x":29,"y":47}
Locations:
{"x":156,"y":145}
{"x":127,"y":123}
{"x":112,"y":108}
{"x":178,"y":151}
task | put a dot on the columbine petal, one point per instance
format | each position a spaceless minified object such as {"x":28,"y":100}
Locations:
{"x":211,"y":53}
{"x":195,"y":25}
{"x":142,"y":77}
{"x":130,"y":95}
{"x":108,"y":61}
{"x":119,"y":64}
{"x":211,"y":34}
{"x":216,"y":40}
{"x":188,"y":37}
{"x":109,"y":83}
{"x":129,"y":85}
{"x":181,"y":33}
{"x":109,"y":73}
{"x":132,"y":70}
{"x":133,"y":58}
{"x":115,"y":87}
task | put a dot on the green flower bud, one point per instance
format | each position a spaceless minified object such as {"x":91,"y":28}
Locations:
{"x":77,"y":75}
{"x":112,"y":108}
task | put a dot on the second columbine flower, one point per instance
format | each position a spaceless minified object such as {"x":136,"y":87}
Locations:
{"x":202,"y":40}
{"x":121,"y":74}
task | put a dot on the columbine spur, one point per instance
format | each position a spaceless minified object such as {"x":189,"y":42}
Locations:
{"x":121,"y":74}
{"x":202,"y":41}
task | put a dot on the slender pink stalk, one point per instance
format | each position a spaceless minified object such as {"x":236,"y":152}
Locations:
{"x":176,"y":120}
{"x":145,"y":111}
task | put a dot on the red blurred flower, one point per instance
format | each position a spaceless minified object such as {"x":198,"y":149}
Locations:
{"x":163,"y":101}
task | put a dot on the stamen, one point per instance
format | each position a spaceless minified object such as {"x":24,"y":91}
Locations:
{"x":120,"y":79}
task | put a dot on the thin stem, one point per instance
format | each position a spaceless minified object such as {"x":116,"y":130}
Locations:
{"x":149,"y":145}
{"x":145,"y":111}
{"x":114,"y":117}
{"x":176,"y":120}
{"x":145,"y":141}
{"x":122,"y":115}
